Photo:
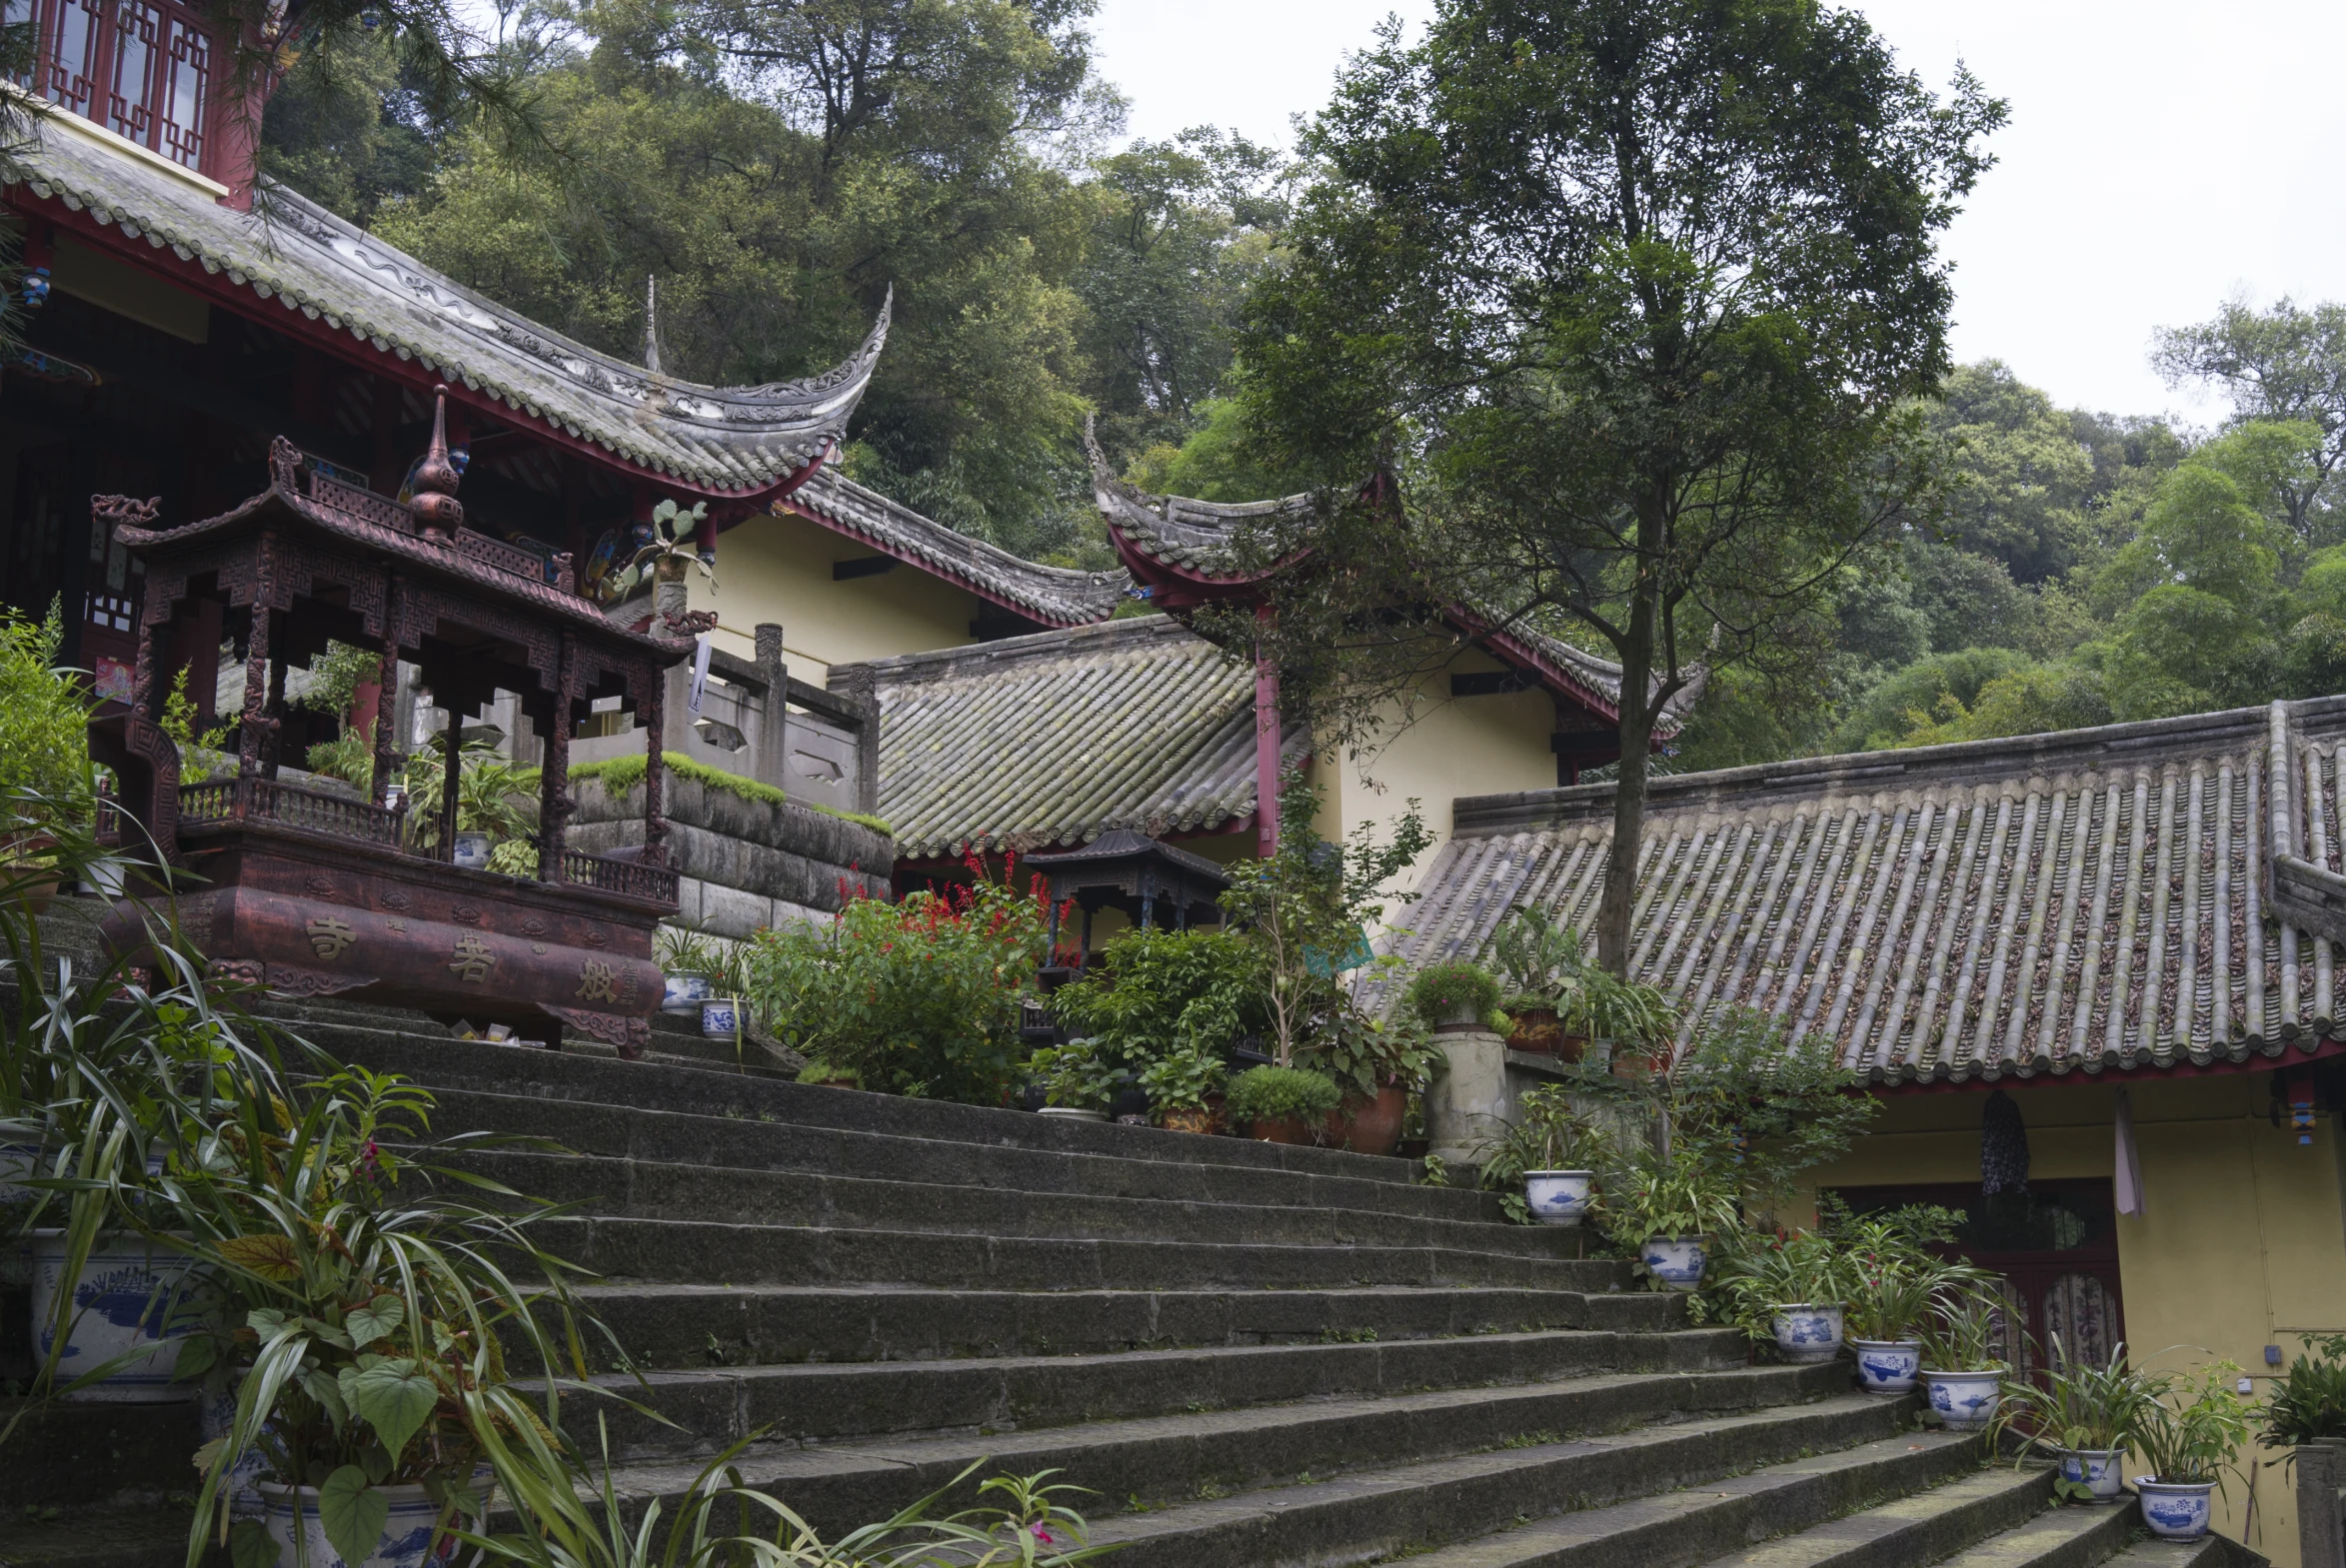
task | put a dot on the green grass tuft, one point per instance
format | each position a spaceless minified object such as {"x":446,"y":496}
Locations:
{"x":621,"y":773}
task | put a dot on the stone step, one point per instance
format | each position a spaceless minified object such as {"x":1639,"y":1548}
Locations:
{"x":672,"y":1326}
{"x":1922,"y":1528}
{"x":1497,"y":1446}
{"x":70,"y":1454}
{"x":716,"y":1406}
{"x":130,"y":1536}
{"x":1719,"y":1518}
{"x":708,"y":1253}
{"x":549,"y":1075}
{"x":654,"y":1189}
{"x":2209,"y":1551}
{"x":645,"y":1132}
{"x":2076,"y":1536}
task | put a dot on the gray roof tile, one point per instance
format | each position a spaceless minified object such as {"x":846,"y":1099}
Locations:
{"x":1056,"y":738}
{"x":2091,"y":900}
{"x":289,"y":249}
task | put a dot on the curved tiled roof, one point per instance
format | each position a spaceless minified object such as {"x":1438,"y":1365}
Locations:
{"x":725,"y":440}
{"x":1193,"y":538}
{"x":1056,"y":596}
{"x":2089,"y":900}
{"x":1056,"y":738}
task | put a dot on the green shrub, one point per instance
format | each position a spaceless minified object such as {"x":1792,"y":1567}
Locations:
{"x":621,"y":773}
{"x":919,"y":997}
{"x":45,"y":771}
{"x":1181,"y":1080}
{"x":1441,"y":991}
{"x":2309,"y":1401}
{"x":1278,"y":1094}
{"x":1150,"y":993}
{"x":1075,"y":1075}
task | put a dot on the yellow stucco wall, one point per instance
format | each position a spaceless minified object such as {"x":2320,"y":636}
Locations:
{"x":1434,"y":751}
{"x":2241,"y":1240}
{"x":779,"y":569}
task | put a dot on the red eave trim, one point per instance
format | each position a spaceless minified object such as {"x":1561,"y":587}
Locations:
{"x":293,"y":320}
{"x":2078,"y":1077}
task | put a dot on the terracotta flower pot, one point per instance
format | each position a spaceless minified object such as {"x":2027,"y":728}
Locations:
{"x":1192,"y":1118}
{"x":1283,"y":1129}
{"x":1371,"y":1126}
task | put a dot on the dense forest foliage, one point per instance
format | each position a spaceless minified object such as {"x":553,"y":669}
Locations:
{"x":779,"y":167}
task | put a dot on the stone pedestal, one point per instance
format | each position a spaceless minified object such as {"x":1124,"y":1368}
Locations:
{"x":1467,"y":1103}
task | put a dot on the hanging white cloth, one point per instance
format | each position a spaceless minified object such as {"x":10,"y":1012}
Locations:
{"x":699,"y":670}
{"x":2128,"y":1163}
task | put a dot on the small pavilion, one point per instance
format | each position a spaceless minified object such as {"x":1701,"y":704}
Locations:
{"x":313,"y":891}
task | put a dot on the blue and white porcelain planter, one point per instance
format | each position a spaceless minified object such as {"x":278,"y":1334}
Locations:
{"x":1808,"y":1331}
{"x":215,"y":1419}
{"x":119,"y":1302}
{"x":1677,"y":1261}
{"x":1888,"y":1366}
{"x":407,"y":1535}
{"x":472,"y":850}
{"x":720,"y":1018}
{"x":684,"y":993}
{"x":1965,"y":1401}
{"x":2095,"y":1469}
{"x":2177,"y":1510}
{"x":1558,"y":1197}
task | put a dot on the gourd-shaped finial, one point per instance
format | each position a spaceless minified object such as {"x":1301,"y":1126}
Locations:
{"x":432,"y":497}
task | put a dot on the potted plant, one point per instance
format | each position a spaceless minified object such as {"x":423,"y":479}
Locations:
{"x":362,"y":1327}
{"x":1636,"y":1019}
{"x":2189,"y":1431}
{"x":1077,"y":1084}
{"x":1668,"y":1208}
{"x":1962,"y":1339}
{"x":1447,"y":998}
{"x":1545,"y":1166}
{"x":1890,"y":1279}
{"x":1180,"y":1085}
{"x":2085,"y":1414}
{"x":1377,"y":1065}
{"x":1282,"y":1104}
{"x":1539,"y":959}
{"x":1794,"y":1290}
{"x":687,"y":962}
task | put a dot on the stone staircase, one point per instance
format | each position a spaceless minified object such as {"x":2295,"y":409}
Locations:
{"x":1253,"y":1356}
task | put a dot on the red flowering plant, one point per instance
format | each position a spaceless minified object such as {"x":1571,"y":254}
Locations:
{"x":919,"y":997}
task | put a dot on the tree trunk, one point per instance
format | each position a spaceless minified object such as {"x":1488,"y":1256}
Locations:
{"x":1613,"y":936}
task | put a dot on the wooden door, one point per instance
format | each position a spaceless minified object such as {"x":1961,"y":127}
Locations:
{"x":2056,"y":1246}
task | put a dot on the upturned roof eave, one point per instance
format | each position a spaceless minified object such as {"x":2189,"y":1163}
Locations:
{"x":367,"y":303}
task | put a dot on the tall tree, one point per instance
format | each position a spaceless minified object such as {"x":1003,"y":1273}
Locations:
{"x":2286,"y":363}
{"x":1631,"y":300}
{"x":1180,"y":229}
{"x":778,"y":168}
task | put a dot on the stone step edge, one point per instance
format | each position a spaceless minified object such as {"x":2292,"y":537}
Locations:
{"x":1663,"y":1485}
{"x":1466,"y":1229}
{"x":1124,"y":1361}
{"x":782,"y":1467}
{"x":915,"y":1146}
{"x":985,"y":1124}
{"x":1604,"y":1533}
{"x":2071,"y":1535}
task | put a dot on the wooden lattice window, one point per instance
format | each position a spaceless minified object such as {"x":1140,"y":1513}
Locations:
{"x":140,"y":68}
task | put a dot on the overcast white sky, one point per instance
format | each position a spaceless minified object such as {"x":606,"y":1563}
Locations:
{"x":2162,"y":155}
